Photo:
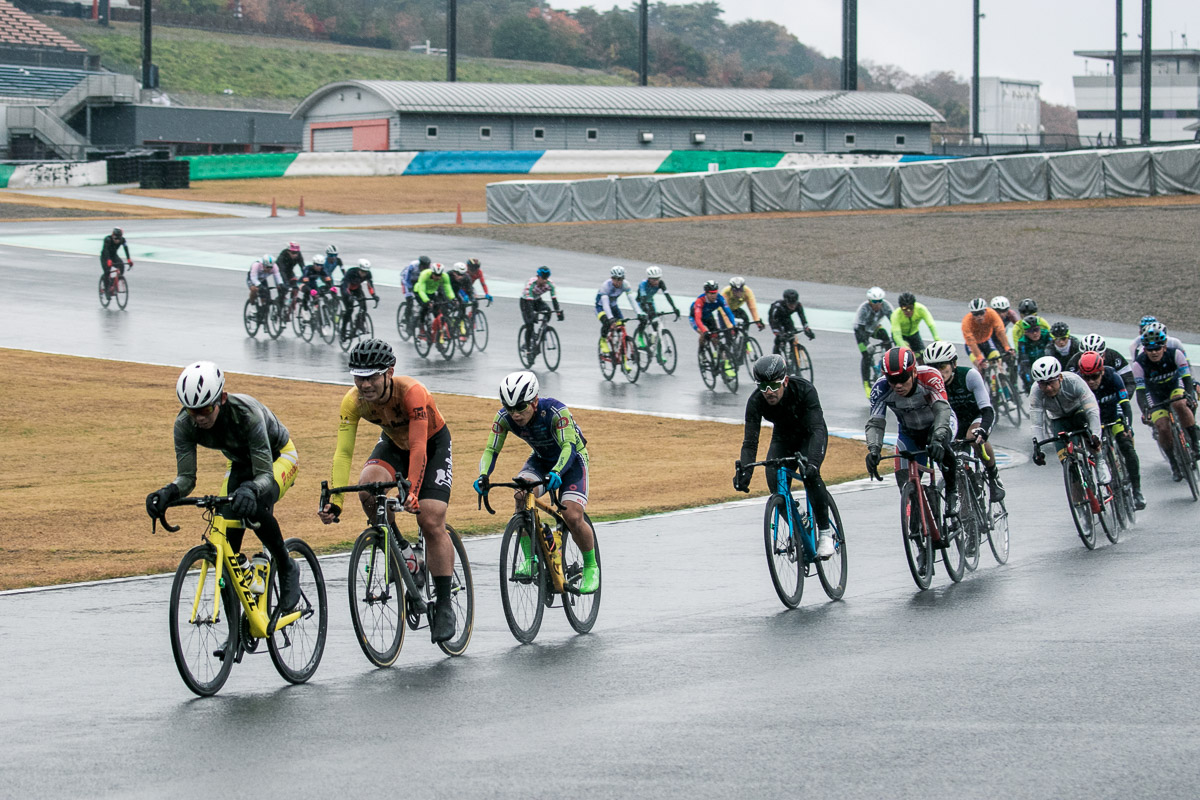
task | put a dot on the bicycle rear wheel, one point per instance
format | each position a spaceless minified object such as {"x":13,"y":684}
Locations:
{"x":551,"y":349}
{"x":479,"y":330}
{"x":522,"y":580}
{"x":1107,"y":498}
{"x":998,"y":531}
{"x":462,"y":590}
{"x":581,"y":609}
{"x":668,"y":356}
{"x":404,"y":328}
{"x":1013,"y":409}
{"x":1183,"y":457}
{"x":105,"y":297}
{"x":275,"y":322}
{"x":631,"y":366}
{"x":121,"y":295}
{"x":1125,"y":486}
{"x":250,"y":318}
{"x":918,"y":543}
{"x":296,"y":649}
{"x":833,"y":570}
{"x":784,"y":558}
{"x":753,"y":352}
{"x":376,"y":598}
{"x":444,"y":340}
{"x":524,"y":352}
{"x":727,"y":366}
{"x":1081,"y":510}
{"x":971,"y":515}
{"x":953,"y":555}
{"x":204,"y":648}
{"x":804,"y":366}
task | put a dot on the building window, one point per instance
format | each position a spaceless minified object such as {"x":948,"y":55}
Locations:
{"x":539,"y":134}
{"x":592,"y":134}
{"x":849,"y":139}
{"x":431,"y":131}
{"x":798,"y":138}
{"x":645,"y":137}
{"x":698,"y":137}
{"x":900,"y":140}
{"x":485,"y":132}
{"x":748,"y":137}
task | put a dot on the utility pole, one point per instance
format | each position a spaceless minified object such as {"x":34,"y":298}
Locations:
{"x":975,"y":74}
{"x":644,"y":43}
{"x":1119,"y":70}
{"x":849,"y":45}
{"x":1145,"y":137}
{"x":149,"y":79}
{"x":451,"y":40}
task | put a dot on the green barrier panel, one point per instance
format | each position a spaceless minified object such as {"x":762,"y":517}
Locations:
{"x":248,"y":165}
{"x":6,"y":171}
{"x":698,"y":161}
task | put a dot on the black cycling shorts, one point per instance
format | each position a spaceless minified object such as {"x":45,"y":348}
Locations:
{"x":439,"y":468}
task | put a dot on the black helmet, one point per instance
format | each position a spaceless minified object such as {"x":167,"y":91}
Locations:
{"x":711,"y":286}
{"x":1060,"y":329}
{"x":473,"y":263}
{"x":117,"y":232}
{"x":424,"y":261}
{"x":769,"y":369}
{"x":907,"y":299}
{"x":1031,"y":322}
{"x":1027,"y":307}
{"x":791,"y":296}
{"x":371,"y":356}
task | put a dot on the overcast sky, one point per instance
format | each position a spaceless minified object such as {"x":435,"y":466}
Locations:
{"x":1027,"y":39}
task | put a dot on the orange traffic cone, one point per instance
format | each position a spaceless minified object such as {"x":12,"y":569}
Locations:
{"x":302,"y":205}
{"x":274,"y":212}
{"x":458,"y":216}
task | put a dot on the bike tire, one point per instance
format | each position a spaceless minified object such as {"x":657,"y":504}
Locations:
{"x":753,"y":353}
{"x":608,"y":362}
{"x":785,"y":558}
{"x":973,"y":521}
{"x":296,"y":649}
{"x":1126,"y":487}
{"x":804,"y":365}
{"x":954,"y":553}
{"x":551,"y":349}
{"x":1013,"y":410}
{"x":423,"y":340}
{"x":250,"y":318}
{"x":102,"y":291}
{"x":668,"y":355}
{"x":1081,"y":512}
{"x":834,"y":570}
{"x":918,"y":543}
{"x":465,"y":334}
{"x":523,"y":598}
{"x":582,"y":610}
{"x":328,"y":319}
{"x":1115,"y":465}
{"x":275,"y":323}
{"x":377,"y":600}
{"x":204,"y":650}
{"x":707,"y":363}
{"x":526,"y":355}
{"x":445,"y":341}
{"x":480,"y":330}
{"x":1107,"y":499}
{"x":122,"y":293}
{"x":1183,"y":457}
{"x":404,"y":328}
{"x":729,"y":375}
{"x":462,"y":589}
{"x":998,"y":538}
{"x":631,"y":365}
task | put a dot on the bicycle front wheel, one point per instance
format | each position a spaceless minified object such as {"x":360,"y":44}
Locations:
{"x":1106,"y":497}
{"x":376,"y":598}
{"x":551,"y":349}
{"x":833,"y":570}
{"x":465,"y":332}
{"x":296,"y":648}
{"x":204,"y":622}
{"x":1013,"y":409}
{"x":522,"y":580}
{"x":525,"y":350}
{"x":784,"y":558}
{"x":631,"y":367}
{"x":479,"y":330}
{"x":608,"y":360}
{"x":953,"y":553}
{"x":708,"y":369}
{"x":250,"y":318}
{"x":462,"y":592}
{"x":327,"y":327}
{"x":122,"y":293}
{"x":423,"y":340}
{"x":971,"y":515}
{"x":918,"y":543}
{"x":804,"y":365}
{"x":668,"y":356}
{"x":753,"y":353}
{"x":444,"y":341}
{"x":581,"y":609}
{"x":998,"y":531}
{"x":1183,"y":457}
{"x":1081,"y":511}
{"x":727,"y":366}
{"x":403,"y":323}
{"x":105,"y":297}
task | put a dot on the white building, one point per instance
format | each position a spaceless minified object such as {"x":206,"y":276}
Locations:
{"x":1174,"y":95}
{"x":1010,"y":111}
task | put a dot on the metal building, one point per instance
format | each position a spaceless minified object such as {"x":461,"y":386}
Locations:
{"x":1010,"y":111}
{"x":1174,"y":95}
{"x":411,"y":115}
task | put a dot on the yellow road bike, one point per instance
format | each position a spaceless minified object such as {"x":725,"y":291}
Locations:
{"x":221,"y":609}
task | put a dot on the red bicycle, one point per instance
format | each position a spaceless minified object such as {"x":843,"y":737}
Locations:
{"x":435,"y":331}
{"x":113,"y":287}
{"x":618,"y":348}
{"x":924,"y":527}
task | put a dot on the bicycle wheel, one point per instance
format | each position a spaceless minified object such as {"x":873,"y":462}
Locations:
{"x":998,"y":531}
{"x":250,"y":318}
{"x":1119,"y":481}
{"x":1108,"y":505}
{"x":1125,"y":486}
{"x":551,"y":349}
{"x":971,"y":516}
{"x":296,"y":649}
{"x":804,"y":366}
{"x":581,"y":609}
{"x":608,"y":361}
{"x":444,"y":340}
{"x":275,"y":322}
{"x":102,"y":290}
{"x":1013,"y":409}
{"x":479,"y":330}
{"x":300,"y":323}
{"x":1081,"y":510}
{"x":833,"y":570}
{"x":668,"y":356}
{"x":204,"y":647}
{"x":631,"y":366}
{"x":1183,"y":457}
{"x":376,"y":598}
{"x":403,"y":323}
{"x":423,"y":340}
{"x":753,"y":353}
{"x":784,"y":558}
{"x":465,"y":331}
{"x":727,"y":366}
{"x":708,"y":372}
{"x":918,"y":544}
{"x":122,"y":293}
{"x":462,"y":590}
{"x":527,"y":354}
{"x":522,"y":591}
{"x":953,"y":554}
{"x":328,"y":327}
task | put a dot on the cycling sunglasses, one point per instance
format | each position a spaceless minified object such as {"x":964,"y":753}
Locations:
{"x":1050,"y":381}
{"x":203,"y":411}
{"x":1154,"y":349}
{"x":770,"y":386}
{"x":518,"y":408}
{"x":896,"y":380}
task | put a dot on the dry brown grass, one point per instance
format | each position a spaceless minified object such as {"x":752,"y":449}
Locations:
{"x":84,"y":440}
{"x":393,"y":194}
{"x":33,"y":208}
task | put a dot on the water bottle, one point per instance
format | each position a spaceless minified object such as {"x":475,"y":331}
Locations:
{"x":410,"y":557}
{"x":259,"y":566}
{"x":419,"y":570}
{"x":1102,"y":468}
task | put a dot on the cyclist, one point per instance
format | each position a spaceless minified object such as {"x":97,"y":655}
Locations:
{"x":559,"y":456}
{"x":461,"y":284}
{"x":906,"y":323}
{"x":972,"y":406}
{"x":646,"y":290}
{"x":1008,"y":314}
{"x":314,"y":279}
{"x":1164,"y":382}
{"x":1061,"y":401}
{"x":332,"y":261}
{"x":608,"y":303}
{"x":408,"y":279}
{"x":110,"y":257}
{"x":351,"y":287}
{"x":291,"y":262}
{"x":1143,"y":323}
{"x":738,"y":294}
{"x":432,"y":282}
{"x":792,"y":406}
{"x":1063,"y":345}
{"x":1094,"y":343}
{"x":1136,"y":347}
{"x":414,"y":443}
{"x":1030,"y":347}
{"x":533,"y":304}
{"x":260,"y":468}
{"x":983,"y":332}
{"x":1113,"y":400}
{"x":475,"y":273}
{"x":779,"y":315}
{"x":866,"y":325}
{"x":917,"y":396}
{"x":256,"y":279}
{"x":1028,"y":310}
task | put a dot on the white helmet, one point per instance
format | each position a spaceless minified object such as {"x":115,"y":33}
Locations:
{"x":437,"y":268}
{"x":653,"y":272}
{"x":364,"y":264}
{"x":1155,"y":326}
{"x":978,"y":304}
{"x":517,"y":388}
{"x":617,"y":272}
{"x":267,"y":260}
{"x":318,"y":261}
{"x":1046,"y":368}
{"x":331,"y":250}
{"x":1094,"y":342}
{"x":875,"y":294}
{"x":200,"y":385}
{"x":940,"y":352}
{"x":1000,"y":303}
{"x":737,"y":282}
{"x":459,"y":266}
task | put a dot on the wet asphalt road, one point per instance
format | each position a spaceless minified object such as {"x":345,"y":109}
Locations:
{"x":1064,"y":673}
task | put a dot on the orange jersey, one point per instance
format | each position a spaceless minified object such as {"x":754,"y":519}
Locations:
{"x":980,"y":329}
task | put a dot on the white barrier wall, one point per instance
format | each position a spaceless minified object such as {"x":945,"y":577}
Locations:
{"x":66,"y":173}
{"x":1074,"y":175}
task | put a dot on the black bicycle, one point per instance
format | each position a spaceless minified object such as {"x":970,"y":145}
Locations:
{"x":979,"y":517}
{"x":655,"y":344}
{"x":799,"y":363}
{"x":1122,"y":482}
{"x":539,"y":338}
{"x":715,"y":359}
{"x":358,"y":325}
{"x":260,"y":312}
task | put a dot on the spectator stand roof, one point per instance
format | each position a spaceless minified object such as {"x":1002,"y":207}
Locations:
{"x":20,"y":29}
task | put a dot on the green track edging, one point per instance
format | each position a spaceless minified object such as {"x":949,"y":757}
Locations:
{"x":246,"y":165}
{"x":6,"y":171}
{"x":693,"y":161}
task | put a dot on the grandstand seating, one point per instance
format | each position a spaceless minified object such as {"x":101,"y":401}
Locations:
{"x":37,"y":83}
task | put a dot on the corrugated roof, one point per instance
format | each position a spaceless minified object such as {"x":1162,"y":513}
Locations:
{"x":19,"y":28}
{"x":635,"y":101}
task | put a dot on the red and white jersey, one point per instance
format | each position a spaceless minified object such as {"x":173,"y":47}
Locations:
{"x":916,"y":411}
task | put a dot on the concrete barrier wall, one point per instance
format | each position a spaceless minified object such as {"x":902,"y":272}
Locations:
{"x":54,"y":173}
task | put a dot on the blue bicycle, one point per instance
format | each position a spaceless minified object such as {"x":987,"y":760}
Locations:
{"x":791,"y":537}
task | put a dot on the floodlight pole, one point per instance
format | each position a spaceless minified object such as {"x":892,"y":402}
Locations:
{"x":451,"y":40}
{"x":1145,"y":138}
{"x":975,"y":74}
{"x":849,"y":45}
{"x":1119,"y":71}
{"x":644,"y":43}
{"x":147,"y":65}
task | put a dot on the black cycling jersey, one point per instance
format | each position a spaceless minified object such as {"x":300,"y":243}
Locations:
{"x":462,"y":282}
{"x":355,"y":276}
{"x":1112,"y":398}
{"x":246,"y":433}
{"x":966,"y":391}
{"x":288,"y":261}
{"x":779,"y":317}
{"x":798,"y":419}
{"x":108,"y":251}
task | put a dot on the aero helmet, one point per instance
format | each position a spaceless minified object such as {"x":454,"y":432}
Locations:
{"x":331,"y":250}
{"x":1046,"y":368}
{"x":371,"y":357}
{"x":200,"y":385}
{"x":424,"y":261}
{"x":1031,"y":323}
{"x":517,"y":388}
{"x":769,"y":369}
{"x":791,"y":296}
{"x":1027,"y":306}
{"x":117,"y":232}
{"x":1094,"y":343}
{"x":940,"y":352}
{"x":906,"y":299}
{"x":711,"y":286}
{"x":473,"y":263}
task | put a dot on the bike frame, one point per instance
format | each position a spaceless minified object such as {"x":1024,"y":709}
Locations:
{"x":784,"y":474}
{"x":929,"y":525}
{"x":1079,"y":453}
{"x":532,"y":506}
